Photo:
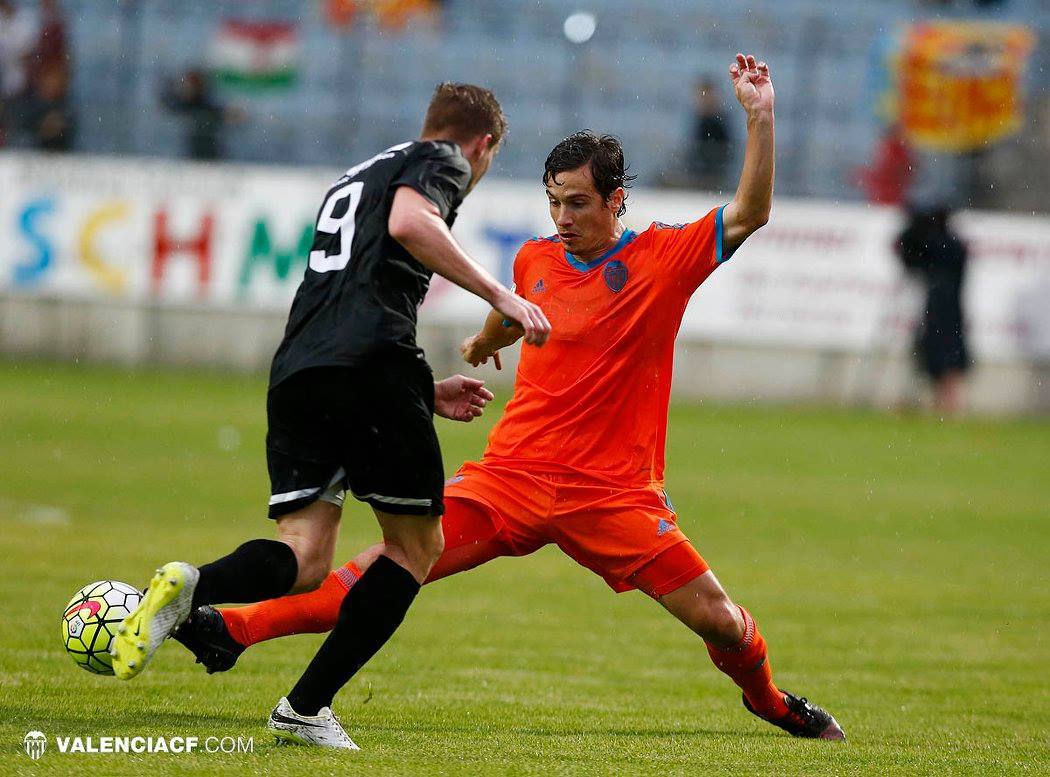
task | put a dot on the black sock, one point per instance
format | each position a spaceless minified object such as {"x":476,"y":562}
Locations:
{"x":257,"y":570}
{"x":371,"y":612}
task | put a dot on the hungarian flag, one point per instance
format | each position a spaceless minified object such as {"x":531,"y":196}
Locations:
{"x":256,"y":55}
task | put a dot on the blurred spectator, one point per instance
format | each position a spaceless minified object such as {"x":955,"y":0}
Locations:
{"x":47,"y":111}
{"x":887,"y":180}
{"x":930,"y":249}
{"x":192,"y":97}
{"x":52,"y":45}
{"x":18,"y":36}
{"x":703,"y":161}
{"x":710,"y":147}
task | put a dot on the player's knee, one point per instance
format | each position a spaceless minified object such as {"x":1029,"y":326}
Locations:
{"x":311,"y":534}
{"x":719,"y":621}
{"x":314,"y":563}
{"x":425,"y":552}
{"x":434,"y":547}
{"x":417,"y":552}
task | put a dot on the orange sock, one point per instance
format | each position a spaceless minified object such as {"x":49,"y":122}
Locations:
{"x":314,"y":612}
{"x":748,"y":666}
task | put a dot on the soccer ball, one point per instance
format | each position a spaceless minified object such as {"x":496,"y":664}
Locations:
{"x":90,"y":620}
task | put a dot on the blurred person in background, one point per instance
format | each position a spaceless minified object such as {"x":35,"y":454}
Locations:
{"x":52,"y":45}
{"x":930,"y":249}
{"x":48,"y":116}
{"x":711,"y":143}
{"x":887,"y":180}
{"x":192,"y":97}
{"x":18,"y":36}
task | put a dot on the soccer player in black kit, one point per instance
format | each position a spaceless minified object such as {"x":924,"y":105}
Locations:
{"x":350,"y":406}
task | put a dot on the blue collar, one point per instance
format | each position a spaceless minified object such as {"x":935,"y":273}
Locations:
{"x":625,"y":239}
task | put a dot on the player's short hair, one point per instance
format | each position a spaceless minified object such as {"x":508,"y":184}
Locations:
{"x":605,"y":155}
{"x":464,"y":111}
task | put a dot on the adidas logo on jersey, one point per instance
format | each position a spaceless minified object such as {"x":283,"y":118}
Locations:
{"x":663,"y":527}
{"x":539,"y":288}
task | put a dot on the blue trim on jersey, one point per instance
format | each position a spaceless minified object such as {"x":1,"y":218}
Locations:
{"x":625,"y":239}
{"x":719,"y":238}
{"x":719,"y":230}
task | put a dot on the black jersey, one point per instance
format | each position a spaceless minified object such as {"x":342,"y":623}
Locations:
{"x":362,"y":289}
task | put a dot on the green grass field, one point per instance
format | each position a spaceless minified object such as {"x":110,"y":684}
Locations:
{"x":898,"y":567}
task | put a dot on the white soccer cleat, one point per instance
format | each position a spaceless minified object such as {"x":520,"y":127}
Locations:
{"x":165,"y":605}
{"x":320,"y":730}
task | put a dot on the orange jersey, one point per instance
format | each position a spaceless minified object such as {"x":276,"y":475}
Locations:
{"x":594,"y":399}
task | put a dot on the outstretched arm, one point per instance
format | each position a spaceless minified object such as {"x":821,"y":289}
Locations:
{"x":416,"y":223}
{"x":494,"y":335}
{"x":750,"y":206}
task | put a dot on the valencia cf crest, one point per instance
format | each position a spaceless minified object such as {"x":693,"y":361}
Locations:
{"x":615,"y":275}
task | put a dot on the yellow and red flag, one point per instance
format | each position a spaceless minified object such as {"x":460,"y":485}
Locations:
{"x":960,"y":84}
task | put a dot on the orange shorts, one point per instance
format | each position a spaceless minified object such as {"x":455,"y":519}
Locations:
{"x":629,"y":537}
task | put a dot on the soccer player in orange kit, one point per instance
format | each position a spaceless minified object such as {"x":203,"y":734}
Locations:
{"x":578,"y":457}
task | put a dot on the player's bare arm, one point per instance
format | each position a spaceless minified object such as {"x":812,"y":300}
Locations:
{"x":416,"y":223}
{"x":496,"y":334}
{"x":749,"y":209}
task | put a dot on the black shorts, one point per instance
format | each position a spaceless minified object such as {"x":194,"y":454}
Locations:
{"x":367,"y":429}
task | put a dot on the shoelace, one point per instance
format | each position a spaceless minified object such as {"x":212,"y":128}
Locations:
{"x":342,"y":731}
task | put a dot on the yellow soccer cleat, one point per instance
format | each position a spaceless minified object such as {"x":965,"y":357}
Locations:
{"x":165,"y":605}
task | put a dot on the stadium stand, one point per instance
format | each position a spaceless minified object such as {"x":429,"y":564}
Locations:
{"x":361,"y":89}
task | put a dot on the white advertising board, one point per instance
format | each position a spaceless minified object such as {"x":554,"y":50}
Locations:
{"x":821,"y":274}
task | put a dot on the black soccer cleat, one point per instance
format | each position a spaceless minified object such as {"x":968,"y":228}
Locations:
{"x":205,"y":635}
{"x":804,"y":719}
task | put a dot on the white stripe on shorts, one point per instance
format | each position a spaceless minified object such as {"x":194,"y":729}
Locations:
{"x":289,"y":496}
{"x":395,"y":500}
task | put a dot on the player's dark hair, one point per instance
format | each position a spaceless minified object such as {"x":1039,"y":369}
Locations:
{"x":464,"y":111}
{"x":605,"y":155}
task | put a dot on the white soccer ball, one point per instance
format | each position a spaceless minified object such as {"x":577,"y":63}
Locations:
{"x":90,"y":620}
